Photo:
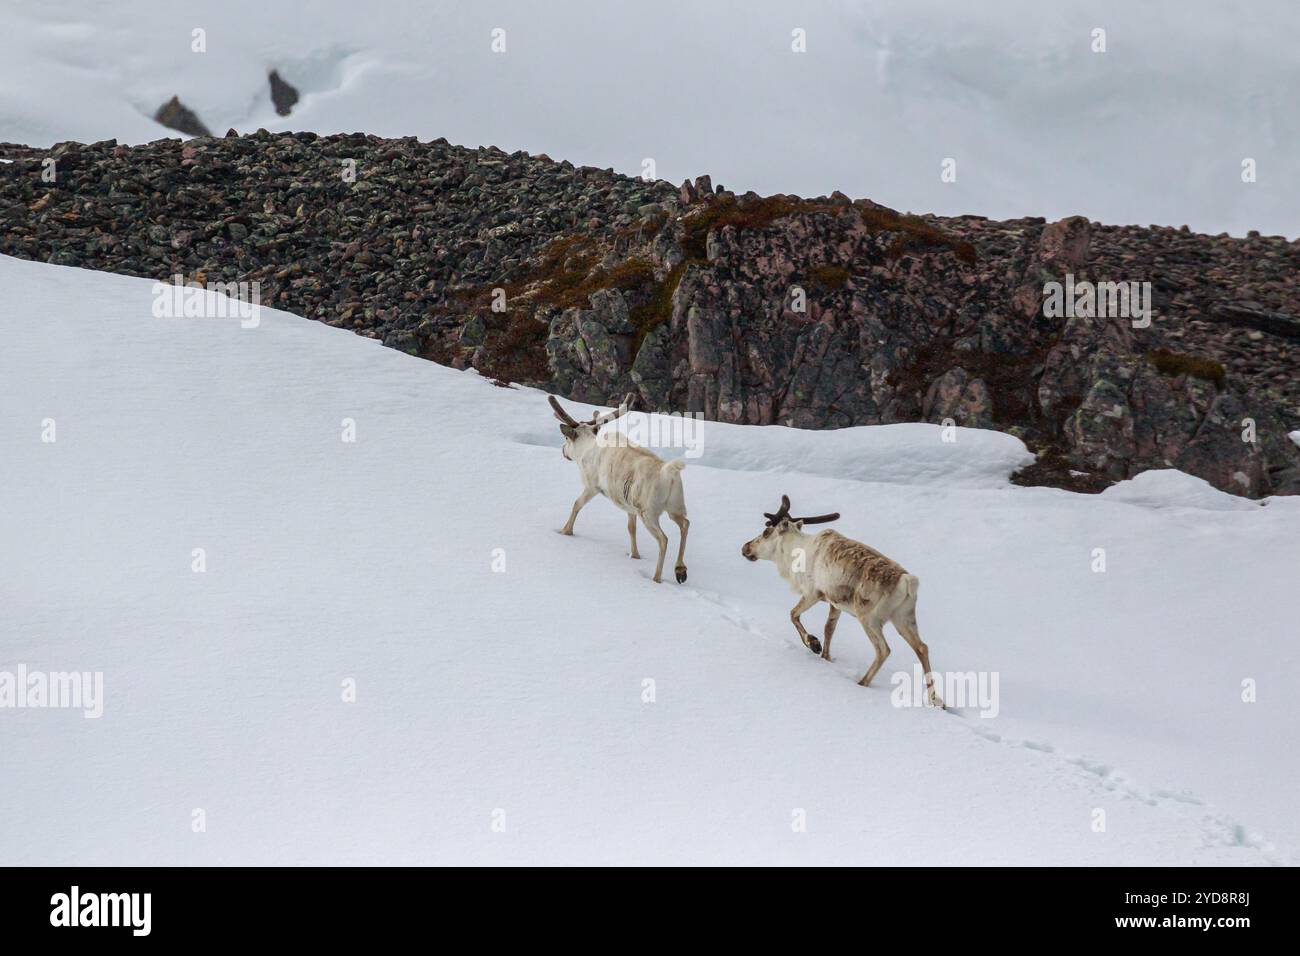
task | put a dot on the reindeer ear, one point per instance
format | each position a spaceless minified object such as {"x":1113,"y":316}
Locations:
{"x":568,"y":431}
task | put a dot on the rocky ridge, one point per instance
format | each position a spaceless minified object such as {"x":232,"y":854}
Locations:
{"x":815,"y":313}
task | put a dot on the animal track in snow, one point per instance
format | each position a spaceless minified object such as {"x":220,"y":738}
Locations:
{"x":1217,"y":830}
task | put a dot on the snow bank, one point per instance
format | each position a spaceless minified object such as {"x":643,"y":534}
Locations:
{"x":1170,"y":488}
{"x":914,"y":454}
{"x":202,"y":535}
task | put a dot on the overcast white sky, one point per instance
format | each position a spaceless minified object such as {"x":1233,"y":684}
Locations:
{"x":1154,"y":130}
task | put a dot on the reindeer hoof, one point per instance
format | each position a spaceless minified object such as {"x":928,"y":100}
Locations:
{"x":814,"y":645}
{"x":681,"y":575}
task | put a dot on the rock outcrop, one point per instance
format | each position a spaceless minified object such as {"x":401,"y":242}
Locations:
{"x":283,"y":94}
{"x":176,"y":115}
{"x":816,"y":313}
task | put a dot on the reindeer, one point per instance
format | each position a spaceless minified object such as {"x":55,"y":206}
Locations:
{"x":632,"y":477}
{"x":847,"y":575}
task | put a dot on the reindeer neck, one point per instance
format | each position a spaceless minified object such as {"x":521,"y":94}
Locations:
{"x":789,"y":544}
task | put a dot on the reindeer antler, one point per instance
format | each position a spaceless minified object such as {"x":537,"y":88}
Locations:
{"x":784,"y":512}
{"x":560,"y":413}
{"x":819,"y":519}
{"x":596,"y":419}
{"x":619,"y":412}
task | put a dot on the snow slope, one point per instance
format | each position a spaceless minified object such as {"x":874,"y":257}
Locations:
{"x":1153,"y":130}
{"x":517,"y":696}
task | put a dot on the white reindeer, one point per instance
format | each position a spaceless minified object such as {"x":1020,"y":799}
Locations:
{"x":847,"y":575}
{"x":632,"y":477}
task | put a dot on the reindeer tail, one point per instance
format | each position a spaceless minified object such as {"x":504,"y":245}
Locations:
{"x":670,"y":476}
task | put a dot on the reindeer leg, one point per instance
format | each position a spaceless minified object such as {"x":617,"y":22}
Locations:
{"x":587,"y":495}
{"x":631,"y":533}
{"x":905,"y":621}
{"x":652,"y":525}
{"x":877,"y":636}
{"x":805,"y":602}
{"x":683,"y":526}
{"x":832,"y":619}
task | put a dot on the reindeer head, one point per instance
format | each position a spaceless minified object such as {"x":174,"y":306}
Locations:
{"x":779,"y":525}
{"x":580,"y":436}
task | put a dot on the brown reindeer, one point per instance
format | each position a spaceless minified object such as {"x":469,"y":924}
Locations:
{"x":847,"y":575}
